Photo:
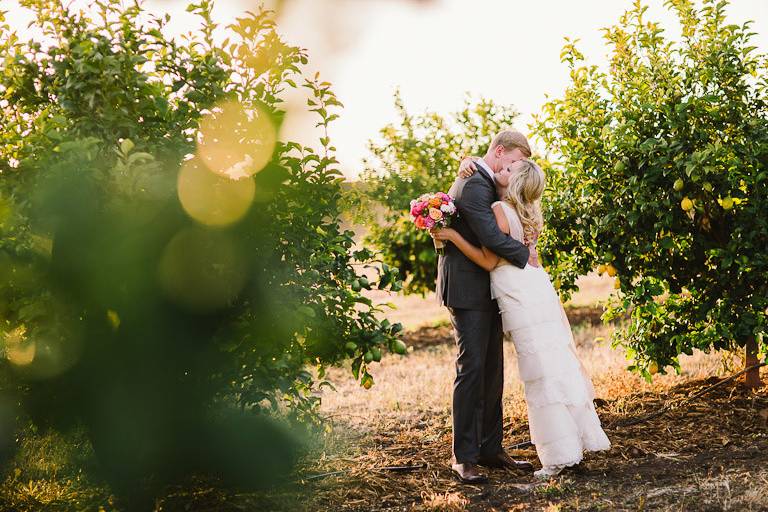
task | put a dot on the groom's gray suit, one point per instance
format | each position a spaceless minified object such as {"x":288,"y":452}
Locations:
{"x":464,"y":288}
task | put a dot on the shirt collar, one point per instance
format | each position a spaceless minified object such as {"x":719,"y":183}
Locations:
{"x":486,"y":168}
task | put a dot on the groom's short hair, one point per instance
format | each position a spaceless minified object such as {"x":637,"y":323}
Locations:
{"x":511,"y":139}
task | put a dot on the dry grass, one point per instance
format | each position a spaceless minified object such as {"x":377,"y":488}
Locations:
{"x":446,"y":502}
{"x":706,"y":455}
{"x":423,"y":379}
{"x":415,"y":311}
{"x":679,"y":461}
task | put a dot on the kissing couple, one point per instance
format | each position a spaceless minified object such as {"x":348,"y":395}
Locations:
{"x":490,"y":280}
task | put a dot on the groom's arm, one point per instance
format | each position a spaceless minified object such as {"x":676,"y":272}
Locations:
{"x":473,"y":205}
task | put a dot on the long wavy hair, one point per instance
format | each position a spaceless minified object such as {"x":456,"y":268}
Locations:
{"x":524,"y":194}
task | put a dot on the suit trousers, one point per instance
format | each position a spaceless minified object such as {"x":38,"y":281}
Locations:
{"x":479,"y":384}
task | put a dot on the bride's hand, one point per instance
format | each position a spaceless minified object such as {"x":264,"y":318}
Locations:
{"x":467,"y":167}
{"x":443,"y":233}
{"x":533,"y":258}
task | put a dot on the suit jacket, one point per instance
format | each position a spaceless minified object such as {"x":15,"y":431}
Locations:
{"x":460,"y":282}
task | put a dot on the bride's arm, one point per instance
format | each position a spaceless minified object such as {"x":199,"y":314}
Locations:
{"x":468,"y":166}
{"x":479,"y":255}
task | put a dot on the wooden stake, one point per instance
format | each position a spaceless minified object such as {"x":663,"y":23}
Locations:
{"x":752,"y":377}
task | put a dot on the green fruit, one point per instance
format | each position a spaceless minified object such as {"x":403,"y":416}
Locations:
{"x":368,"y":356}
{"x":679,"y":184}
{"x":707,"y":186}
{"x":351,"y":346}
{"x":399,"y":347}
{"x":609,"y":257}
{"x":364,"y":283}
{"x":376,"y":352}
{"x":356,"y":285}
{"x":367,"y":381}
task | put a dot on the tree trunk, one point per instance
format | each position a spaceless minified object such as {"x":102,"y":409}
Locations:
{"x":752,"y":377}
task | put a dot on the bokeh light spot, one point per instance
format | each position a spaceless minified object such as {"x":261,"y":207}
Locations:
{"x":235,"y":141}
{"x":113,"y":318}
{"x":212,"y":199}
{"x":201,"y":269}
{"x":18,"y":349}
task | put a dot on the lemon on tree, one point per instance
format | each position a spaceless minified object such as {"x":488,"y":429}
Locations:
{"x":624,"y":189}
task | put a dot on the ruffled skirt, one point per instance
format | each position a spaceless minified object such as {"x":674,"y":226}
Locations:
{"x":559,"y":395}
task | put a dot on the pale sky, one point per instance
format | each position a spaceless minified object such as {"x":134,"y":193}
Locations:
{"x":436,"y":51}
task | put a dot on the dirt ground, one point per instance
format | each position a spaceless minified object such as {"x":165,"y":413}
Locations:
{"x":390,"y":449}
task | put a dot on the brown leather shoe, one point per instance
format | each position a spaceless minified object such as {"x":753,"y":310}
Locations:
{"x":503,"y":460}
{"x":468,"y":473}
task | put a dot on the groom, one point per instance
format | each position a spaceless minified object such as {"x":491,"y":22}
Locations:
{"x":464,"y":288}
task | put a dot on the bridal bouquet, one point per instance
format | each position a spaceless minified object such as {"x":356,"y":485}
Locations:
{"x":433,"y":211}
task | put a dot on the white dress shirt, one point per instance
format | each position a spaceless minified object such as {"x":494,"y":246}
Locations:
{"x":486,"y":168}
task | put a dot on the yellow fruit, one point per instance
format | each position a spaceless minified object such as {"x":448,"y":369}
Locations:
{"x":653,"y":368}
{"x":601,"y":269}
{"x":616,"y":283}
{"x":367,"y":382}
{"x":611,"y":270}
{"x":556,"y":283}
{"x":679,"y":184}
{"x":686,"y":204}
{"x":727,"y":203}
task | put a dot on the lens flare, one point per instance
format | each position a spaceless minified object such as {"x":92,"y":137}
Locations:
{"x":202,"y":270}
{"x":236,"y":141}
{"x":213,"y":199}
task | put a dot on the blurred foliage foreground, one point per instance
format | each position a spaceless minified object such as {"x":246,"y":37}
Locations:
{"x":168,"y":265}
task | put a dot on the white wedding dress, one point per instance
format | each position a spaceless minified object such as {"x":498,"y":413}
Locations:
{"x":559,"y":395}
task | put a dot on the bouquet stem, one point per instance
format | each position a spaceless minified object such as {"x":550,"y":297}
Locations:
{"x":439,"y":246}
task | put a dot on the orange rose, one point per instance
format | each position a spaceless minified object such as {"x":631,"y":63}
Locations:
{"x":435,"y":202}
{"x":435,"y":214}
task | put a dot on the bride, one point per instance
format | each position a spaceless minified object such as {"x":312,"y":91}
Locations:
{"x":559,"y":395}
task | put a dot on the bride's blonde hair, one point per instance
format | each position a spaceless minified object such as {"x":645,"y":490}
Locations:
{"x":524,"y":194}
